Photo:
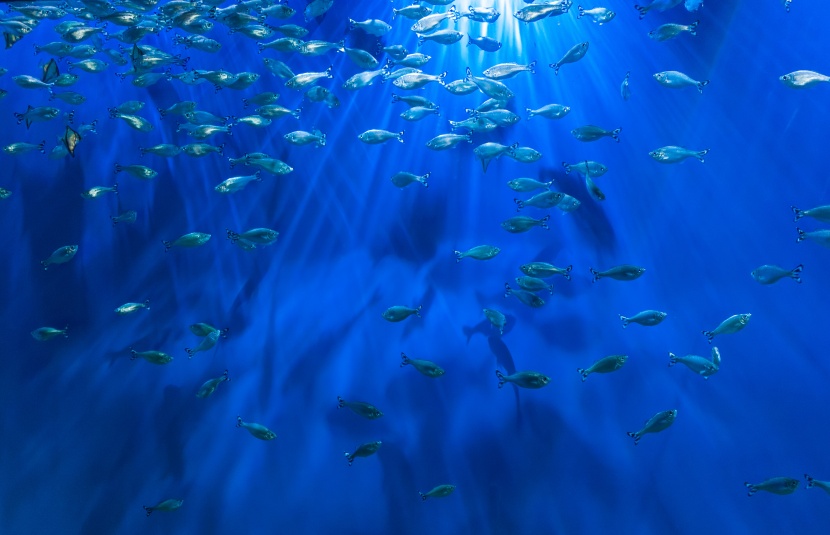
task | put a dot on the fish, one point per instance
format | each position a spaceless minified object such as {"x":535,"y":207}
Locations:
{"x":533,"y":284}
{"x":448,"y":141}
{"x":607,"y":364}
{"x":821,"y":237}
{"x":600,"y":15}
{"x":205,"y":344}
{"x":659,"y":5}
{"x":487,"y":44}
{"x":425,"y":367}
{"x":528,"y":298}
{"x":128,"y":216}
{"x":152,"y":356}
{"x":659,"y":422}
{"x":375,"y":27}
{"x":461,"y":87}
{"x":525,"y":379}
{"x":487,"y":152}
{"x":429,"y":22}
{"x":535,"y":12}
{"x":823,"y":485}
{"x":665,"y":32}
{"x":803,"y":79}
{"x":700,"y":365}
{"x":574,"y":54}
{"x":209,"y":387}
{"x":165,"y":505}
{"x":545,"y":200}
{"x":648,"y":318}
{"x":523,"y":185}
{"x":479,"y":252}
{"x":819,"y":213}
{"x":417,"y":80}
{"x":775,"y":485}
{"x":189,"y":240}
{"x":417,"y":113}
{"x":592,"y":133}
{"x":482,"y":14}
{"x":625,"y":89}
{"x":257,"y":430}
{"x":678,"y":80}
{"x":364,"y":450}
{"x":42,"y":334}
{"x":61,"y":255}
{"x":375,"y":137}
{"x":403,"y":179}
{"x":544,"y":270}
{"x":165,"y":150}
{"x":301,"y":137}
{"x":549,"y":111}
{"x":237,"y":183}
{"x":256,"y":236}
{"x":730,"y":325}
{"x":399,"y":313}
{"x":770,"y":274}
{"x":491,"y":88}
{"x":624,"y":272}
{"x":129,"y":308}
{"x":360,"y":408}
{"x":139,"y":171}
{"x":496,"y":319}
{"x":306,"y":79}
{"x":414,"y":11}
{"x":98,"y":191}
{"x":521,"y":223}
{"x":22,"y":148}
{"x":441,"y":491}
{"x":443,"y":37}
{"x":675,"y":154}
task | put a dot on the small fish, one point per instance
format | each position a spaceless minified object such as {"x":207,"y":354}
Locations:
{"x":400,"y":313}
{"x":675,"y":154}
{"x":524,"y":379}
{"x":655,"y":424}
{"x":237,"y":183}
{"x":539,"y":11}
{"x":448,"y":141}
{"x":417,"y":80}
{"x":306,"y":79}
{"x":443,"y":37}
{"x":549,"y":111}
{"x":165,"y":150}
{"x":665,"y":32}
{"x":128,"y":216}
{"x":648,"y":318}
{"x":417,"y":113}
{"x":820,"y":213}
{"x":593,"y":189}
{"x":533,"y":284}
{"x":21,"y":148}
{"x":775,"y":485}
{"x":677,"y":80}
{"x":441,"y":491}
{"x":259,"y":431}
{"x":205,"y":329}
{"x":206,"y":344}
{"x":42,"y":334}
{"x":189,"y":240}
{"x":166,"y":505}
{"x":138,"y":171}
{"x":301,"y":137}
{"x":360,"y":408}
{"x":491,"y":88}
{"x":574,"y":54}
{"x":545,"y":200}
{"x":257,"y":236}
{"x":98,"y":191}
{"x":61,"y":255}
{"x":497,"y":319}
{"x":429,"y":22}
{"x":487,"y":152}
{"x":521,"y":223}
{"x":426,"y":367}
{"x":487,"y":44}
{"x":699,"y":365}
{"x":821,"y":237}
{"x":364,"y":450}
{"x":482,"y":14}
{"x":374,"y":27}
{"x":600,"y":15}
{"x":4,"y":194}
{"x":479,"y":252}
{"x":524,"y":185}
{"x":152,"y":356}
{"x":413,"y":11}
{"x":544,"y":270}
{"x":624,"y":272}
{"x":414,"y":101}
{"x":769,"y":274}
{"x":604,"y":365}
{"x":660,"y":5}
{"x":403,"y":179}
{"x":730,"y":325}
{"x":803,"y":79}
{"x":592,"y":133}
{"x":625,"y":90}
{"x":198,"y":150}
{"x":823,"y":485}
{"x":375,"y":137}
{"x":209,"y":387}
{"x":129,"y":308}
{"x":588,"y":168}
{"x":528,"y":298}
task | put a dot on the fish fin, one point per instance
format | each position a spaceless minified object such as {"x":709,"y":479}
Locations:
{"x":672,"y":359}
{"x":801,"y":235}
{"x":583,"y":373}
{"x":625,"y":321}
{"x":595,"y":273}
{"x":405,"y":359}
{"x":796,"y":273}
{"x":501,"y":378}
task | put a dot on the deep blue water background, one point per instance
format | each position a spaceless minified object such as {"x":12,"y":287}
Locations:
{"x":89,"y":436}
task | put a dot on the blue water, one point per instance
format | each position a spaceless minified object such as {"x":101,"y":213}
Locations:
{"x":89,"y":436}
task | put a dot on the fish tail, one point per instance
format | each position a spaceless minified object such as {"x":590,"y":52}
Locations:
{"x":190,"y":352}
{"x":700,"y":154}
{"x":616,"y":134}
{"x":625,"y":321}
{"x":233,"y":236}
{"x":752,"y":488}
{"x":421,"y":494}
{"x":544,"y":222}
{"x":458,"y":256}
{"x":238,"y":421}
{"x":595,"y":273}
{"x":583,"y":373}
{"x":167,"y":245}
{"x":148,"y":509}
{"x":532,"y":67}
{"x":118,"y":168}
{"x":501,"y":378}
{"x":404,"y":359}
{"x":635,"y":436}
{"x":693,"y":27}
{"x":400,"y":136}
{"x":418,"y":311}
{"x":147,"y":304}
{"x":567,"y":273}
{"x":642,"y":10}
{"x":469,"y":137}
{"x":796,"y":273}
{"x":133,"y":354}
{"x":567,"y":167}
{"x":114,"y":220}
{"x":420,"y":40}
{"x":352,"y":25}
{"x":672,"y":359}
{"x":709,"y":336}
{"x":801,"y":235}
{"x":798,"y":213}
{"x":519,"y":204}
{"x":581,"y":12}
{"x":701,"y":85}
{"x":507,"y":289}
{"x":340,"y":402}
{"x":529,"y":113}
{"x":810,"y":481}
{"x":296,"y":113}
